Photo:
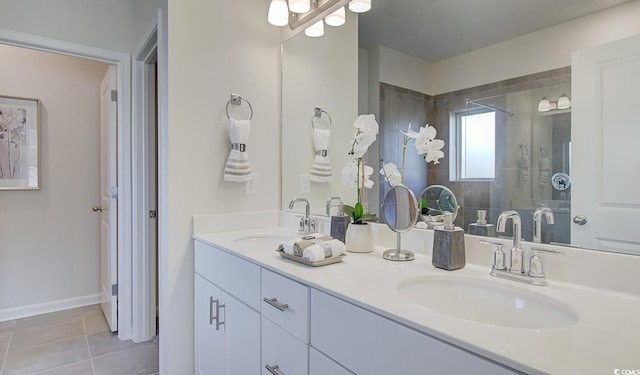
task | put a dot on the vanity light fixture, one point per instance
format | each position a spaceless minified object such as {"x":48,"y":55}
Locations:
{"x":359,"y":6}
{"x":296,"y":16}
{"x":337,"y":18}
{"x":544,"y":105}
{"x":299,"y":6}
{"x":278,"y":13}
{"x":564,"y":102}
{"x":316,"y":30}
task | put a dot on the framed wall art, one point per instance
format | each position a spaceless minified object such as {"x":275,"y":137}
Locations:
{"x":19,"y":143}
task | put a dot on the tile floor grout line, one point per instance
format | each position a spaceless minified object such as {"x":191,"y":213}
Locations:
{"x":4,"y":360}
{"x":86,"y":336}
{"x":136,"y":345}
{"x":47,"y":343}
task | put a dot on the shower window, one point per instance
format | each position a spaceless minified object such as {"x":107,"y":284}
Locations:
{"x":472,"y":153}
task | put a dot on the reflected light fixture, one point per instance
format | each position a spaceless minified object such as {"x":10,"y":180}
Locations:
{"x":299,"y":6}
{"x":564,"y":102}
{"x":300,"y":13}
{"x":315,"y":30}
{"x":544,"y":105}
{"x":359,"y":6}
{"x":336,"y":18}
{"x":278,"y":13}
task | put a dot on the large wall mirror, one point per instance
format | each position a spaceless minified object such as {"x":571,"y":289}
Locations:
{"x":525,"y":163}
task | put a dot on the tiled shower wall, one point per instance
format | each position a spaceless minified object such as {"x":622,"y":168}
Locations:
{"x":399,"y":106}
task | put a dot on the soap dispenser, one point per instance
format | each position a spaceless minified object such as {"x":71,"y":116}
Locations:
{"x":480,"y":227}
{"x":339,"y":224}
{"x":448,"y":245}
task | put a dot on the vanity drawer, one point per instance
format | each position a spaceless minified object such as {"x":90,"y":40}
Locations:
{"x":232,"y":274}
{"x":281,"y":291}
{"x":281,"y":349}
{"x":364,"y":342}
{"x":320,"y":364}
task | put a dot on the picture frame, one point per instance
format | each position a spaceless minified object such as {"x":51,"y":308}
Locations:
{"x":19,"y":143}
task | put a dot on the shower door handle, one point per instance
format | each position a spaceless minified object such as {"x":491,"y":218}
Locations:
{"x":580,"y":219}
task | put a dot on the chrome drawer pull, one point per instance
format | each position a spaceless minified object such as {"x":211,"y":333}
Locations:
{"x":273,"y":369}
{"x":217,"y":317}
{"x":274,"y":302}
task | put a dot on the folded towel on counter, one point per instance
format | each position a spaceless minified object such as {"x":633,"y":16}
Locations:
{"x":287,"y":246}
{"x":313,"y":247}
{"x":324,"y":249}
{"x":300,"y":246}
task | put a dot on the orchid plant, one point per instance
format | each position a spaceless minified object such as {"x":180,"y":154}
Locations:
{"x":356,"y":173}
{"x":426,"y":145}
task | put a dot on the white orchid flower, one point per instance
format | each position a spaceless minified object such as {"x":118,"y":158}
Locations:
{"x":351,"y":174}
{"x":392,"y":174}
{"x":410,"y":133}
{"x":434,"y":156}
{"x":366,"y":131}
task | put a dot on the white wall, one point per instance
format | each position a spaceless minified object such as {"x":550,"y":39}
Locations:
{"x":319,"y":72}
{"x":215,"y":49}
{"x":104,"y":24}
{"x":400,"y":69}
{"x":49,"y":238}
{"x":539,"y":51}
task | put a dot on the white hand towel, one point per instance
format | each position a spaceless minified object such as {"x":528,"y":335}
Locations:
{"x":545,"y":166}
{"x":237,"y":168}
{"x":524,"y":168}
{"x":324,"y":249}
{"x":321,"y":169}
{"x":288,"y":246}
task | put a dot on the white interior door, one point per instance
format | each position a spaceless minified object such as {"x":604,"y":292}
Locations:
{"x":605,"y":153}
{"x":108,"y":199}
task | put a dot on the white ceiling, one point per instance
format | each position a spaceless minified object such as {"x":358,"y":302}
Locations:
{"x":435,"y":30}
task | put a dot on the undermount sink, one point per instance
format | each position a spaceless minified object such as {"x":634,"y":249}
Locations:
{"x":487,"y":302}
{"x":272,"y":240}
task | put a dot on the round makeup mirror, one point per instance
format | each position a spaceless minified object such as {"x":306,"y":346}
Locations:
{"x":400,"y":212}
{"x":435,"y":200}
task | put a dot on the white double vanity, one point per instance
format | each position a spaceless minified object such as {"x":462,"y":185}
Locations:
{"x":256,"y":312}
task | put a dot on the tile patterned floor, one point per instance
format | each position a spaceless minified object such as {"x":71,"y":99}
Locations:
{"x":71,"y":342}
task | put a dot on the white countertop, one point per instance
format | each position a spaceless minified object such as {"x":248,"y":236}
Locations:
{"x":606,"y":336}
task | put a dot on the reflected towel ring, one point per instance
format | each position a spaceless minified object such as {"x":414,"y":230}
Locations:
{"x":237,"y":100}
{"x":317,"y":113}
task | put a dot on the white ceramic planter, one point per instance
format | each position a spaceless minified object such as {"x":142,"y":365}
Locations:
{"x":359,"y":238}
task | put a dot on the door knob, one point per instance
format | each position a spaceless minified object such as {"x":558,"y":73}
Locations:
{"x":580,"y":219}
{"x":96,"y":208}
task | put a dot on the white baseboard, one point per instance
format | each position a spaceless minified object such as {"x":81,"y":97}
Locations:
{"x":47,"y":307}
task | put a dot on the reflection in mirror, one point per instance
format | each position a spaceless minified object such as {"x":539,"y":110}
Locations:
{"x":400,"y":212}
{"x":318,"y":73}
{"x":402,"y":88}
{"x":435,"y":200}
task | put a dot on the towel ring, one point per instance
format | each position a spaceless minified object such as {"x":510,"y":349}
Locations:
{"x":317,"y":112}
{"x":237,"y":100}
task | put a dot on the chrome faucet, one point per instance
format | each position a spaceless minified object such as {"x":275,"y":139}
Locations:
{"x":537,"y":222}
{"x":307,"y":225}
{"x":329,"y":204}
{"x":517,"y":256}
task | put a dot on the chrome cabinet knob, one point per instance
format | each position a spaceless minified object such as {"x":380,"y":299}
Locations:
{"x":96,"y":208}
{"x":580,"y":219}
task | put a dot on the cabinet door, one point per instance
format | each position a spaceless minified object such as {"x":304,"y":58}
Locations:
{"x":210,"y":346}
{"x":227,"y":333}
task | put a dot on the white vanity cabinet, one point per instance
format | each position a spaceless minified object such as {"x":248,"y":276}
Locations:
{"x":275,"y":325}
{"x":227,"y":329}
